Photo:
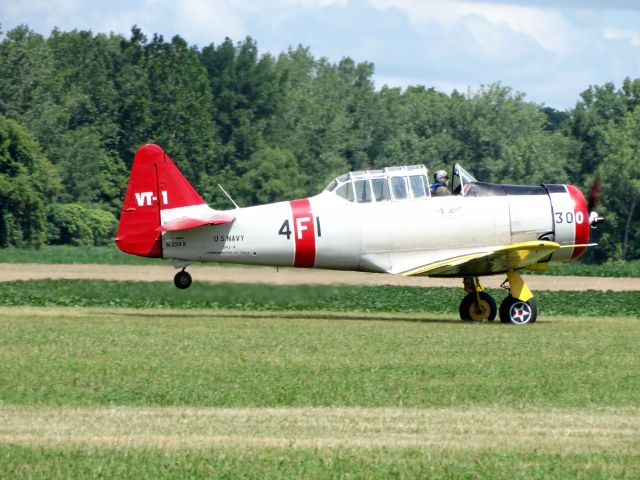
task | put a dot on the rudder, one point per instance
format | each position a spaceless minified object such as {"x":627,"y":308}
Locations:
{"x":155,"y":184}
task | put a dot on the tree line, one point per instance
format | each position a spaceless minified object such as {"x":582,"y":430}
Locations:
{"x":75,"y":106}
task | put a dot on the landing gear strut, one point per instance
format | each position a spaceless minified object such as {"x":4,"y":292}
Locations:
{"x":182,"y":279}
{"x":477,"y":305}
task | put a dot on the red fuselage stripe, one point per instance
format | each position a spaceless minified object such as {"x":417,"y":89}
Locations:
{"x":304,"y":233}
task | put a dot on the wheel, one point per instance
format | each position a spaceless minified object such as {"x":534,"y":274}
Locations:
{"x":518,"y":312}
{"x":469,"y":310}
{"x":182,"y":280}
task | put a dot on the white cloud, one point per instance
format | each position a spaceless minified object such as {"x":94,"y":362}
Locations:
{"x":198,"y":22}
{"x":47,"y":8}
{"x":627,"y":35}
{"x":122,"y":22}
{"x":60,"y":13}
{"x":275,"y":13}
{"x":206,"y":19}
{"x":545,"y":25}
{"x":278,"y":4}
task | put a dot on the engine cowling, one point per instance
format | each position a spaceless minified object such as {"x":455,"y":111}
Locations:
{"x":571,"y":221}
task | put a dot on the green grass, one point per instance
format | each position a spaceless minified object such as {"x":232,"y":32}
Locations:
{"x":85,"y":349}
{"x":610,"y":269}
{"x":21,"y":462}
{"x":66,"y":358}
{"x":109,"y":254}
{"x":244,"y":359}
{"x":261,"y":297}
{"x":64,"y":254}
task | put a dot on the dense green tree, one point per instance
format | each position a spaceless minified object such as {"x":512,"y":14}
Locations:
{"x":28,"y":182}
{"x":180,"y":106}
{"x":329,"y":115}
{"x":29,"y":87}
{"x":604,"y":122}
{"x":620,"y":178}
{"x":505,"y":140}
{"x":134,"y":109}
{"x":79,"y":224}
{"x":85,"y":148}
{"x":597,"y":107}
{"x":89,"y":174}
{"x":420,"y":129}
{"x":555,"y":118}
{"x":248,"y":92}
{"x":26,"y":66}
{"x":356,"y":79}
{"x":312,"y":119}
{"x":271,"y":174}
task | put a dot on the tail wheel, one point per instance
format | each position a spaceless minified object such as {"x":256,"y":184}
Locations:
{"x":182,"y":280}
{"x":517,"y":311}
{"x":470,"y":310}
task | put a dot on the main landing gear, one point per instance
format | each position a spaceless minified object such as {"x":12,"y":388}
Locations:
{"x":518,"y":308}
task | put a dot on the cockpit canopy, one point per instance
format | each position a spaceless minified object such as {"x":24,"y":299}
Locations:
{"x":390,"y":183}
{"x":394,"y":183}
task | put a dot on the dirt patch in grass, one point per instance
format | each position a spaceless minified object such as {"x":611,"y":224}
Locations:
{"x":477,"y":428}
{"x":289,"y":276}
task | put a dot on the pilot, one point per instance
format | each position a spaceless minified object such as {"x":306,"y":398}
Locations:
{"x":439,"y":187}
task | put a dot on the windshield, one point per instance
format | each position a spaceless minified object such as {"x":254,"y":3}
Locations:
{"x":461,"y":180}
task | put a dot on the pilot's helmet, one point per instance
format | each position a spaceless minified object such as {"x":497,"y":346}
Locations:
{"x":440,"y":176}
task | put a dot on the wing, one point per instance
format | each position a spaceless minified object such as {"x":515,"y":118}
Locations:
{"x":498,"y":260}
{"x":184,"y":223}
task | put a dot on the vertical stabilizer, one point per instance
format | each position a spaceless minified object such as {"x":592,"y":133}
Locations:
{"x":155,"y":184}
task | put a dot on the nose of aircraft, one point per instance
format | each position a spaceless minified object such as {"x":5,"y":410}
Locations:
{"x":582,"y":220}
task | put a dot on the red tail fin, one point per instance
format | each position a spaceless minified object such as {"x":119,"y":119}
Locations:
{"x":155,"y":184}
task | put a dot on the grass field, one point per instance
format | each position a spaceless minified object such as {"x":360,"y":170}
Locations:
{"x":260,"y":297}
{"x":326,"y":463}
{"x":111,"y":255}
{"x":61,"y":254}
{"x":119,"y":392}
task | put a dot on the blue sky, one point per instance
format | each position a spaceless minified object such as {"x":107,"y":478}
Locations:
{"x":549,"y":50}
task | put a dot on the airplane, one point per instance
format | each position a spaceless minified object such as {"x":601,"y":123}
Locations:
{"x":383,"y":221}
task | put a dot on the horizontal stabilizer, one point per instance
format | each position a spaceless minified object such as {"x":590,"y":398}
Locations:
{"x":184,"y":223}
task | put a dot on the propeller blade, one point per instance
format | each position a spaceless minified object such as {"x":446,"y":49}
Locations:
{"x":594,"y":195}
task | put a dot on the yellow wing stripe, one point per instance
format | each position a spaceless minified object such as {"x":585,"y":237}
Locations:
{"x":501,"y":259}
{"x":444,"y":263}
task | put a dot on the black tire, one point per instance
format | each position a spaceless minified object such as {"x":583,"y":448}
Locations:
{"x":517,"y":312}
{"x":468,"y":310}
{"x":182,"y":280}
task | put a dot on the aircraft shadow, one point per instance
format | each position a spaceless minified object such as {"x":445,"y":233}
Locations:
{"x":308,"y":316}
